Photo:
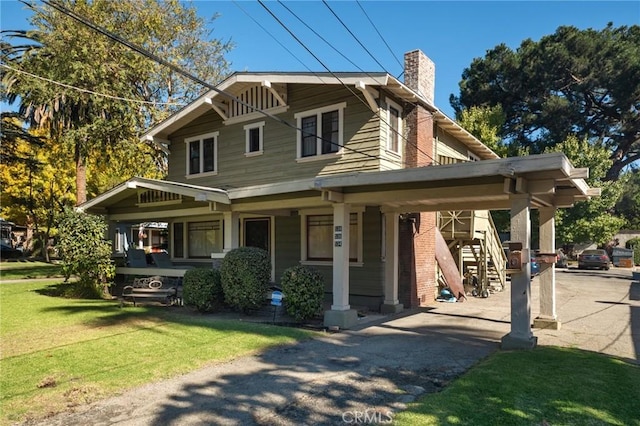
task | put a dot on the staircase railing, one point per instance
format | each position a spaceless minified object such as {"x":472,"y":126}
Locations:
{"x":496,"y":252}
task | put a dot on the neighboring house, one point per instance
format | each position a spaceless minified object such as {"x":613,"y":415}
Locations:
{"x":343,"y":172}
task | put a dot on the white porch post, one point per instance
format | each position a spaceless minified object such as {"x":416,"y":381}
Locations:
{"x":547,"y":317}
{"x":231,"y":231}
{"x":341,"y":314}
{"x":521,"y":336}
{"x":391,"y":303}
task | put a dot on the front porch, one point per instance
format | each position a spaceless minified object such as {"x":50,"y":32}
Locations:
{"x":348,"y":224}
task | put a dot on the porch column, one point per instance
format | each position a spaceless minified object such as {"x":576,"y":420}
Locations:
{"x":391,"y":303}
{"x":521,"y":336}
{"x":231,"y":231}
{"x":547,"y":278}
{"x":341,"y":314}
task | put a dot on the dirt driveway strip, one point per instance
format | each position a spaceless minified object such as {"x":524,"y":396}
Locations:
{"x":378,"y":367}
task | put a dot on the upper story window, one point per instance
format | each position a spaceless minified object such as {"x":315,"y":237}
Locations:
{"x":394,"y":126}
{"x":321,"y":131}
{"x":202,"y":155}
{"x":254,"y":138}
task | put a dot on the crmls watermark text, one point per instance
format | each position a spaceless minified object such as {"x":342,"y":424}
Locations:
{"x":367,"y":417}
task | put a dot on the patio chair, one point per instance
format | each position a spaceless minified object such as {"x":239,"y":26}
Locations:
{"x":162,"y":260}
{"x":136,"y":258}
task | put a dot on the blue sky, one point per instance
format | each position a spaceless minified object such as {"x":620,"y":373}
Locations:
{"x":451,"y":33}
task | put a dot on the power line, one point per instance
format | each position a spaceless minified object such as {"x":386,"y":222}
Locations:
{"x":352,"y":34}
{"x":185,"y":73}
{"x":382,"y":119}
{"x":271,"y":35}
{"x":79,"y":89}
{"x":382,"y":38}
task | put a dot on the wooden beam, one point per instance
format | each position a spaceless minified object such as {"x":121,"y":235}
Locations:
{"x":333,"y":196}
{"x":455,"y":193}
{"x":370,"y":95}
{"x":218,"y":107}
{"x":521,"y":185}
{"x":543,"y":186}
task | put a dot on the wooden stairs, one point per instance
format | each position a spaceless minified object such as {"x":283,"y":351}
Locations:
{"x":475,"y":244}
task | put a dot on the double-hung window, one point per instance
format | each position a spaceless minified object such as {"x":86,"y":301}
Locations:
{"x":394,"y":126}
{"x":254,"y":139}
{"x":320,"y":131}
{"x":202,"y":155}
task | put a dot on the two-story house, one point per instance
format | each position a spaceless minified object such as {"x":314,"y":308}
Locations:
{"x":344,"y":172}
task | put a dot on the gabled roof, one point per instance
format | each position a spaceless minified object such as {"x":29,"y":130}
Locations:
{"x":131,"y":187}
{"x":240,"y":80}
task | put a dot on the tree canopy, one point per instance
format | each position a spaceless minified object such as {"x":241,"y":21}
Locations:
{"x":573,"y":82}
{"x":95,"y":95}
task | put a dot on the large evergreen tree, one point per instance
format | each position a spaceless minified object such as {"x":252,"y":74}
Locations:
{"x":44,"y":69}
{"x":573,"y":82}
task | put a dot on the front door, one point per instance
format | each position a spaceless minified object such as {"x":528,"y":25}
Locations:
{"x":257,"y":233}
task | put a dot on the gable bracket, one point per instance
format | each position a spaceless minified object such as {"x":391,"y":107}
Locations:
{"x":218,"y":107}
{"x":274,"y":92}
{"x":370,"y":94}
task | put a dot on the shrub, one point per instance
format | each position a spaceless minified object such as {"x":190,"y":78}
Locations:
{"x":202,"y":288}
{"x":245,"y":273}
{"x":84,"y":251}
{"x":303,"y":291}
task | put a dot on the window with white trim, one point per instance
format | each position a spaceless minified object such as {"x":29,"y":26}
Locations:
{"x":202,"y":154}
{"x":254,"y":139}
{"x":317,"y":237}
{"x":321,"y":131}
{"x":204,"y":238}
{"x":394,"y":127}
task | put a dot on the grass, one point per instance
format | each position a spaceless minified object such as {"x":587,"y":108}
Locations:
{"x":24,"y":268}
{"x":545,"y":386}
{"x":58,"y":353}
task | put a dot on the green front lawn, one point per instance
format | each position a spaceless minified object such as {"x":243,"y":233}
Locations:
{"x":24,"y":268}
{"x":545,"y":386}
{"x":57,"y":353}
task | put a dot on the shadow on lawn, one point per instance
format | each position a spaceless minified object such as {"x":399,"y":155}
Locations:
{"x":548,"y":385}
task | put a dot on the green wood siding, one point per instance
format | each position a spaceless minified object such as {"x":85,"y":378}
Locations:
{"x":278,"y":162}
{"x":366,"y":280}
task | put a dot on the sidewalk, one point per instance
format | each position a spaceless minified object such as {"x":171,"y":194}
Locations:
{"x":381,"y":365}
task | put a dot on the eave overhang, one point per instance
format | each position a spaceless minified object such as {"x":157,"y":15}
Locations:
{"x":118,"y":193}
{"x":549,"y":179}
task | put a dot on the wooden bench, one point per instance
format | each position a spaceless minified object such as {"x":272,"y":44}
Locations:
{"x":162,"y":289}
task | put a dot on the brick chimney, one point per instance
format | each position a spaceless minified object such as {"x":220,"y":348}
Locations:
{"x":420,"y":74}
{"x":417,"y":284}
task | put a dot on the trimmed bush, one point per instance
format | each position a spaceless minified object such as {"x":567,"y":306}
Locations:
{"x":303,"y":290}
{"x":202,"y":288}
{"x":245,"y":272}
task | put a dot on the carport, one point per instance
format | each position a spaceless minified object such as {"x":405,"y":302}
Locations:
{"x":544,"y":182}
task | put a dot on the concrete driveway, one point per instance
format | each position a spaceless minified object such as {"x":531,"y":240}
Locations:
{"x":380,"y":366}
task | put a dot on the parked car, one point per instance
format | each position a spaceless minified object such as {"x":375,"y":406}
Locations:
{"x":8,"y":252}
{"x":594,"y":259}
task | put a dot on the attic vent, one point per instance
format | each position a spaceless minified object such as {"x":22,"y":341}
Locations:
{"x":154,"y":197}
{"x":260,"y":97}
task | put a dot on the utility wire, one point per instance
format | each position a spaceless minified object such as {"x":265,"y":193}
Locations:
{"x":382,"y":66}
{"x":352,"y":34}
{"x":271,"y":35}
{"x":321,"y":38}
{"x":79,"y":89}
{"x":381,"y":38}
{"x":185,"y":73}
{"x":382,"y":119}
